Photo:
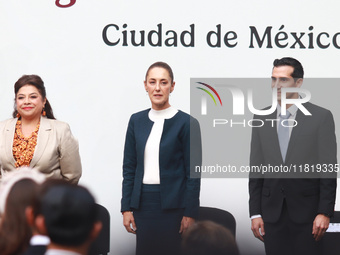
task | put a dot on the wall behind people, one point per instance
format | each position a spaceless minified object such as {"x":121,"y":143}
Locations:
{"x":95,"y":85}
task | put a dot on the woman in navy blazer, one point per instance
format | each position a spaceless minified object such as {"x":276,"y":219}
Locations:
{"x":160,"y":192}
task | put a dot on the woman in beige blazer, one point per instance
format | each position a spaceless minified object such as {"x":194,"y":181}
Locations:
{"x":34,"y":138}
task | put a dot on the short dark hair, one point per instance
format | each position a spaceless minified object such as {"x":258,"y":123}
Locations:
{"x":70,"y":213}
{"x":162,"y":65}
{"x":207,"y":237}
{"x":37,"y":82}
{"x":288,"y":61}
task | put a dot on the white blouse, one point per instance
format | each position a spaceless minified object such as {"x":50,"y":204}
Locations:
{"x":151,"y":153}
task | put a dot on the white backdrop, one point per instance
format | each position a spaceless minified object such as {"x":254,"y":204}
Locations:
{"x":95,"y":87}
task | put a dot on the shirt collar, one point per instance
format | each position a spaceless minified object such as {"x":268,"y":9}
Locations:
{"x":58,"y":252}
{"x":167,"y":113}
{"x":39,"y":240}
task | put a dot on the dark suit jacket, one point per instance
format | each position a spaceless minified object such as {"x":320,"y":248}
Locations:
{"x":35,"y":250}
{"x":312,"y":142}
{"x":178,"y":189}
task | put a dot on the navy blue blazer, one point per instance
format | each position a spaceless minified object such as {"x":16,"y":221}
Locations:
{"x":178,"y":189}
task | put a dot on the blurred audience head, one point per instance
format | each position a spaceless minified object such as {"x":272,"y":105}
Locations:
{"x":34,"y":210}
{"x":18,"y":190}
{"x":8,"y":179}
{"x":68,"y":215}
{"x":207,"y":237}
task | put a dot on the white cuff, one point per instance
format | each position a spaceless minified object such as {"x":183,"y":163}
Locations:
{"x":256,"y":216}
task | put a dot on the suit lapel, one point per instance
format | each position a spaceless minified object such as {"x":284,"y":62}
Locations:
{"x":10,"y":130}
{"x":271,"y":134}
{"x":144,"y":129}
{"x":300,"y":118}
{"x":42,"y":141}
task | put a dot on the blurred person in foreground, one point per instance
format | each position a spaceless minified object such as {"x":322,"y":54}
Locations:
{"x":39,"y":241}
{"x":18,"y":191}
{"x":207,"y":237}
{"x":34,"y":138}
{"x":68,"y":215}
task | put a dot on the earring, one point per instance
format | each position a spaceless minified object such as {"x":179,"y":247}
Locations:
{"x":18,"y":115}
{"x":44,"y":112}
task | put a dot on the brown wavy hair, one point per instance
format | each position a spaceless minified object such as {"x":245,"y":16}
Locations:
{"x":15,"y":233}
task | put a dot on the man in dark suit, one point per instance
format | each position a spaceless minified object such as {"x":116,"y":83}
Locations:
{"x":291,"y":214}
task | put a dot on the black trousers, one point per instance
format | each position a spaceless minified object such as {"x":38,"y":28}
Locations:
{"x":157,"y":229}
{"x":289,"y":238}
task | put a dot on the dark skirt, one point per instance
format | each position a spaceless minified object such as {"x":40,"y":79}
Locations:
{"x":157,"y":229}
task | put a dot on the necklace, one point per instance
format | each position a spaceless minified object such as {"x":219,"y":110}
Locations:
{"x":23,"y":147}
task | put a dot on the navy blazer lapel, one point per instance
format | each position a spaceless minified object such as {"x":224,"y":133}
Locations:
{"x":300,"y":118}
{"x":144,"y":129}
{"x":42,"y":140}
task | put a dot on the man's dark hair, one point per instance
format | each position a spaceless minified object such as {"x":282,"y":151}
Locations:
{"x":287,"y":61}
{"x":70,"y":213}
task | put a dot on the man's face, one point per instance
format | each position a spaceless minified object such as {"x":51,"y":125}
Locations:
{"x":282,"y":78}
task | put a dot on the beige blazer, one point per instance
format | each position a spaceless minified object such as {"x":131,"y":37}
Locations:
{"x":56,"y":153}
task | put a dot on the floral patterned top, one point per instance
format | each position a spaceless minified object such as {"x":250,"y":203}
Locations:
{"x":23,"y":147}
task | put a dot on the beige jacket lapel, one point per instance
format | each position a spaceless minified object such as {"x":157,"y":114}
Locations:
{"x":42,"y":141}
{"x":9,"y":136}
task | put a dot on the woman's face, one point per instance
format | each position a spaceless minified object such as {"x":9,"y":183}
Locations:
{"x":158,"y":85}
{"x":29,"y":102}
